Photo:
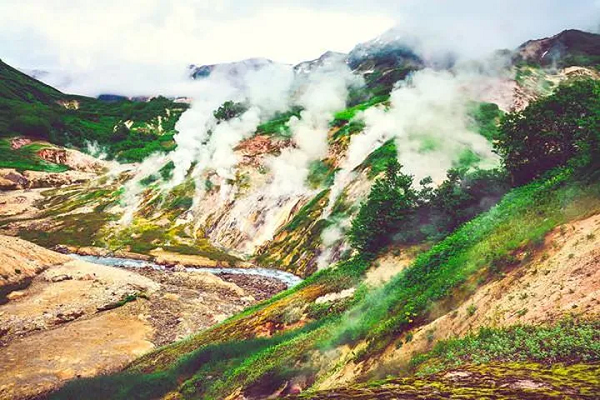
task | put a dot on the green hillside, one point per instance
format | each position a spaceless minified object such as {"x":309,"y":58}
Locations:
{"x":312,"y":341}
{"x":128,"y":130}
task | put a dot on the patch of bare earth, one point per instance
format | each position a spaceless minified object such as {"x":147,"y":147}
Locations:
{"x":70,"y":318}
{"x":20,"y":202}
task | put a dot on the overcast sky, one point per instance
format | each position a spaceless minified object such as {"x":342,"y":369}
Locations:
{"x":116,"y":42}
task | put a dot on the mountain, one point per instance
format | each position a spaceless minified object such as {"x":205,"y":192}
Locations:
{"x":130,"y":130}
{"x":307,"y":67}
{"x":470,"y":270}
{"x":234,"y":70}
{"x":570,"y":47}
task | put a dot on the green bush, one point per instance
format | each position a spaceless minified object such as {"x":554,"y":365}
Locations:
{"x":550,"y":132}
{"x":567,"y":342}
{"x":229,"y":110}
{"x":389,"y":205}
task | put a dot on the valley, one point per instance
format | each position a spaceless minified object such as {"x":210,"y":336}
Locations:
{"x":392,"y":226}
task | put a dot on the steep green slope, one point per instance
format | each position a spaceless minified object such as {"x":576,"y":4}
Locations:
{"x":128,"y":130}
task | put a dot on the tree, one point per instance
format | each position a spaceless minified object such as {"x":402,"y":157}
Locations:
{"x":229,"y":110}
{"x":391,"y":202}
{"x":552,"y":132}
{"x":31,"y":125}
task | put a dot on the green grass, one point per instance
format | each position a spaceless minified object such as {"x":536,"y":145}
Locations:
{"x":320,"y":174}
{"x":378,"y":160}
{"x":344,"y":116}
{"x":277,"y":126}
{"x":26,"y":158}
{"x":566,"y":342}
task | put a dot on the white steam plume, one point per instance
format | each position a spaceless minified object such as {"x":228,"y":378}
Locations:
{"x":202,"y":141}
{"x":324,"y":92}
{"x":428,"y":119}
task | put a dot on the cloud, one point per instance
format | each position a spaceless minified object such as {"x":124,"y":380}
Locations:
{"x":138,"y":47}
{"x":143,"y":47}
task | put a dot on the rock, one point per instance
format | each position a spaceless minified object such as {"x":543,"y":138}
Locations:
{"x":18,"y":142}
{"x":171,"y":296}
{"x":178,"y":268}
{"x":16,"y":178}
{"x":61,"y":318}
{"x":59,"y":248}
{"x":17,"y":294}
{"x":59,"y":278}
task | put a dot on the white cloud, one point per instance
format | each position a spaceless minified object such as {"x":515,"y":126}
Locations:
{"x":117,"y":46}
{"x":143,"y":46}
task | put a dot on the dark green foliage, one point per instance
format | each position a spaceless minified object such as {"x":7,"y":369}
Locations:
{"x":462,"y":196}
{"x":349,"y":129}
{"x":431,"y":213}
{"x":277,"y":126}
{"x":320,"y":174}
{"x":389,"y":205}
{"x":229,"y":110}
{"x":18,"y":86}
{"x":378,"y":160}
{"x":166,"y":172}
{"x":486,"y":117}
{"x":31,"y":125}
{"x":567,"y":342}
{"x":552,"y":131}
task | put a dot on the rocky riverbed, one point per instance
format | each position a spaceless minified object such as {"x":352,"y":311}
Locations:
{"x":62,"y":318}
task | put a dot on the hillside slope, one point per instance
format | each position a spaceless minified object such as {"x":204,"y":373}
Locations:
{"x":445,"y":275}
{"x":304,"y":340}
{"x":128,"y":130}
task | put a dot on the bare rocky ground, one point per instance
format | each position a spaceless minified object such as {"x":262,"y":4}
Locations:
{"x":62,"y":318}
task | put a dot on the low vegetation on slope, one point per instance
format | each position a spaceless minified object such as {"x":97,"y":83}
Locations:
{"x":128,"y":130}
{"x":310,"y":340}
{"x":26,"y":158}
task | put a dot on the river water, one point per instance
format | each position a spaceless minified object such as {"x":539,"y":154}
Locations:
{"x":285,"y":277}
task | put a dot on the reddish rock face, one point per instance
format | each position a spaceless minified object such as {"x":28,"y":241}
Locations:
{"x":19,"y":142}
{"x":56,"y":156}
{"x":258,"y":146}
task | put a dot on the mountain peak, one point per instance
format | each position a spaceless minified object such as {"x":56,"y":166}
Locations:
{"x":568,"y":47}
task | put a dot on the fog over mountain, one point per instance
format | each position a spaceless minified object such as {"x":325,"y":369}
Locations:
{"x":121,"y":47}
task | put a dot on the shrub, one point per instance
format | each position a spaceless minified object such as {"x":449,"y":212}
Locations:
{"x":390,"y":203}
{"x":229,"y":110}
{"x":552,"y":131}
